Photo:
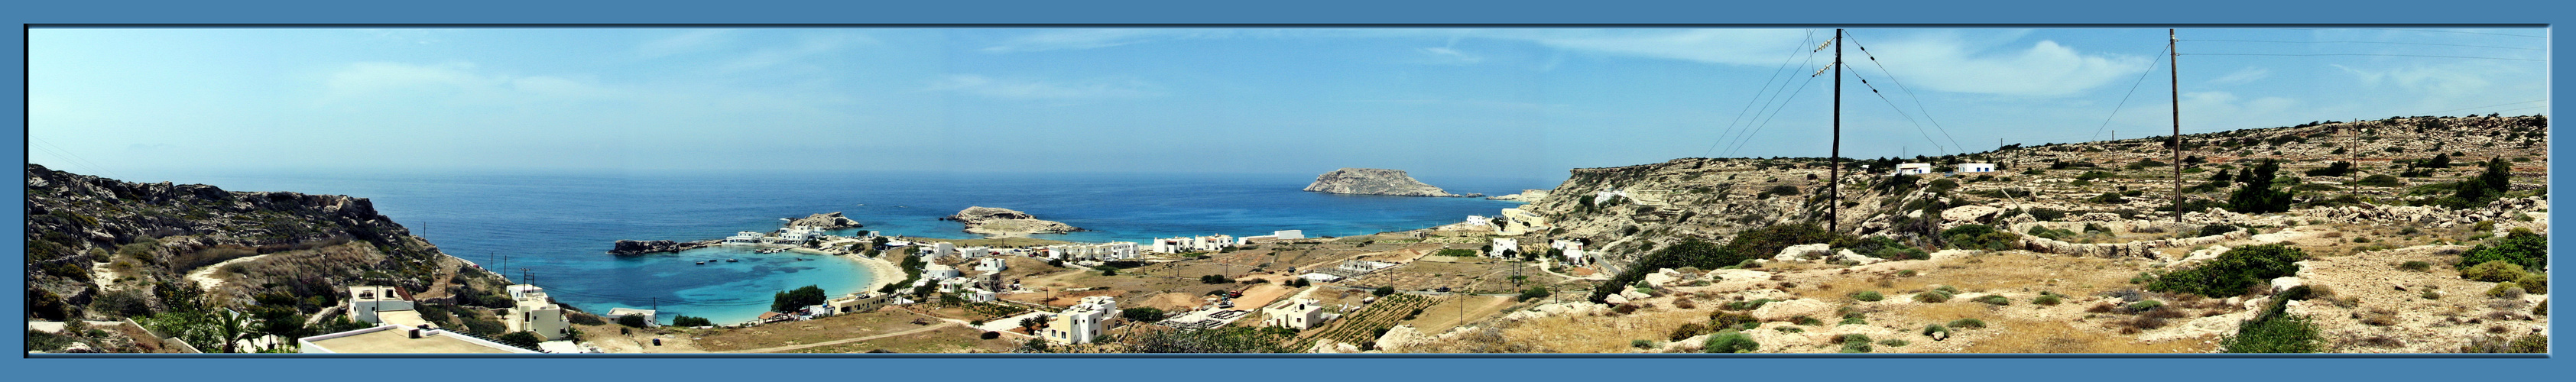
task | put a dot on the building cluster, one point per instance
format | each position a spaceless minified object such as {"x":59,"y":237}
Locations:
{"x":1573,"y":251}
{"x":400,"y":328}
{"x":1207,"y":243}
{"x":784,"y":235}
{"x":1081,"y":323}
{"x":1926,"y":168}
{"x":1103,"y":251}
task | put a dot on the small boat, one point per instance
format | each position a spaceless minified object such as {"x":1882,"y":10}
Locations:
{"x":733,"y":260}
{"x":702,"y":262}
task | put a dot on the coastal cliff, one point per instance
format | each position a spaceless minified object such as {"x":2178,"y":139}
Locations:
{"x":1377,"y":181}
{"x":991,"y":221}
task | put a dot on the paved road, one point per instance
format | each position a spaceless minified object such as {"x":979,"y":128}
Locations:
{"x":775,"y":349}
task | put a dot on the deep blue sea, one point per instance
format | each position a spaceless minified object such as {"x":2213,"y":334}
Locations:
{"x":556,"y":227}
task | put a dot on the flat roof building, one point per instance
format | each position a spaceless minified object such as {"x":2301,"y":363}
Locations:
{"x":389,"y":339}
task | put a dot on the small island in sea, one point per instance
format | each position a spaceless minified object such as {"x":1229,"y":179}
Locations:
{"x":1377,"y":181}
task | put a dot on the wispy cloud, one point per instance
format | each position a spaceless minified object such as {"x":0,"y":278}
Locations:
{"x":809,"y":46}
{"x":2445,"y":81}
{"x":1076,"y":39}
{"x":2046,"y":68}
{"x":1039,"y":89}
{"x":1447,"y":55}
{"x":690,"y":41}
{"x":452,"y":81}
{"x":2241,"y":76}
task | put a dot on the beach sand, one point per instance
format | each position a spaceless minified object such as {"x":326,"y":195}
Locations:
{"x":882,"y":272}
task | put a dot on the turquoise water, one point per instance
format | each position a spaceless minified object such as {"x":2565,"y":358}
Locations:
{"x":557,"y":227}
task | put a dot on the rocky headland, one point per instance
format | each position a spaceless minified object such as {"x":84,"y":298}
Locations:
{"x":638,"y":247}
{"x":989,"y":221}
{"x":1526,"y":196}
{"x":826,"y":221}
{"x":1377,"y":181}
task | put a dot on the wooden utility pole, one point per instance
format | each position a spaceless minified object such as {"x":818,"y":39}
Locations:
{"x":1834,"y":184}
{"x":2177,"y":122}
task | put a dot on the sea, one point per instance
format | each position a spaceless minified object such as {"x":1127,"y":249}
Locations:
{"x":553,"y":229}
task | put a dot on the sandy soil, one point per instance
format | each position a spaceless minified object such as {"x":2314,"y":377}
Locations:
{"x":205,"y":276}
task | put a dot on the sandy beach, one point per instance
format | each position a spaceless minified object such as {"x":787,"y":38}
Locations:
{"x":881,"y":272}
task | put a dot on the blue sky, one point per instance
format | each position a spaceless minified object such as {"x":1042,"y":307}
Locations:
{"x":1512,"y":103}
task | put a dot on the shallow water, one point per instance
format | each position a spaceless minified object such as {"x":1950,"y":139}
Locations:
{"x":557,"y":227}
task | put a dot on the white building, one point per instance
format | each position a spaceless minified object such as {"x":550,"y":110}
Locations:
{"x":1505,"y":248}
{"x":936,"y":250}
{"x":1976,"y":167}
{"x":1293,"y":234}
{"x":1604,"y":196}
{"x":991,"y":264}
{"x":533,"y":312}
{"x":1479,"y":220}
{"x":365,"y":301}
{"x":1573,"y":251}
{"x":1080,"y":323}
{"x":1105,"y":251}
{"x":1913,"y":168}
{"x":974,"y":252}
{"x":1193,"y":244}
{"x":935,"y":272}
{"x":744,"y":237}
{"x":1306,"y":313}
{"x":649,"y":320}
{"x":1364,"y":266}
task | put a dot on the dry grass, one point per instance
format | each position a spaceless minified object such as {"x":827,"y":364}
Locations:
{"x":2020,"y":336}
{"x":1599,"y":334}
{"x":1447,"y":314}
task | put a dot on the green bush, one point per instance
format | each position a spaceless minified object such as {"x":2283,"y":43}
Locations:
{"x":2257,"y":196}
{"x":1686,"y":331}
{"x":1723,"y":320}
{"x":1994,"y":299}
{"x":2528,"y":343}
{"x":2217,"y":229}
{"x":1891,"y":342}
{"x":2520,"y":247}
{"x":1455,"y":252}
{"x":1855,"y":343}
{"x":632,"y":320}
{"x":2535,"y":282}
{"x":2046,"y":299}
{"x":1747,"y":304}
{"x":1934,"y":328}
{"x":2415,"y":265}
{"x":1806,"y":321}
{"x":2380,"y":180}
{"x":1383,"y":291}
{"x":1978,"y":236}
{"x":1535,"y":292}
{"x":1143,"y":314}
{"x":2274,"y":331}
{"x":2493,"y":271}
{"x":1867,"y":296}
{"x":2143,"y":306}
{"x":2505,"y":290}
{"x":1968,"y":323}
{"x":1932,"y":296}
{"x":687,"y":321}
{"x":2233,"y":272}
{"x":1731,"y":342}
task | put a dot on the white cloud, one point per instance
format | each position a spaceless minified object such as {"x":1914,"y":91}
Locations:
{"x":1760,"y":47}
{"x":1076,"y":39}
{"x":2045,"y":69}
{"x":1446,"y":55}
{"x":685,"y":42}
{"x":2441,"y":82}
{"x":452,"y":82}
{"x":2241,"y":76}
{"x":807,"y":47}
{"x":1036,"y":89}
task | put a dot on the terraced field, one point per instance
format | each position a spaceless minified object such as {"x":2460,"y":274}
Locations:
{"x":1361,"y":327}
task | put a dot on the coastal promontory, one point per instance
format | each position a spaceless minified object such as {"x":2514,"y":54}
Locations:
{"x":1377,"y":181}
{"x":991,"y":221}
{"x":825,"y":221}
{"x":638,"y":247}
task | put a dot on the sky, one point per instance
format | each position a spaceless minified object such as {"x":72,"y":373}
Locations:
{"x":1523,"y":103}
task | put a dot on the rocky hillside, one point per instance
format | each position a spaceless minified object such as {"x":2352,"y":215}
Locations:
{"x":1376,"y":181}
{"x":825,"y":221}
{"x":2397,"y":169}
{"x":104,"y":248}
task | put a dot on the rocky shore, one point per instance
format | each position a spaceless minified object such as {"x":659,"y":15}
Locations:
{"x":989,"y":221}
{"x":1526,"y":196}
{"x":1377,"y":181}
{"x":826,"y":221}
{"x":638,"y":247}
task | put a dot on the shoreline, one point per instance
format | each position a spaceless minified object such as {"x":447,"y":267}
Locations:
{"x":880,"y":271}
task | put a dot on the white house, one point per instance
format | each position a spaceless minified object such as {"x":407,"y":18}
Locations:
{"x":1105,"y":251}
{"x":533,"y":312}
{"x":1976,"y":167}
{"x":974,"y":252}
{"x":1080,"y":323}
{"x":1573,"y":250}
{"x":990,"y":264}
{"x":937,"y":272}
{"x":1913,"y":168}
{"x":1479,"y":221}
{"x":936,"y":250}
{"x":744,"y":237}
{"x":1193,"y":244}
{"x":798,"y":234}
{"x":1505,"y":248}
{"x":615,"y":313}
{"x":365,"y":301}
{"x":1364,"y":266}
{"x":402,"y":340}
{"x":1305,"y":313}
{"x":1293,"y":234}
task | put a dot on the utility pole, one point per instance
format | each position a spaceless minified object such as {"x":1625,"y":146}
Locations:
{"x":1834,"y":205}
{"x":2177,"y":122}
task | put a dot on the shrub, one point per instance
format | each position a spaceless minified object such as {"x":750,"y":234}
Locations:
{"x":1905,"y":273}
{"x":2142,"y":306}
{"x":2273,"y":331}
{"x":2493,"y":271}
{"x":2217,"y":229}
{"x":1535,"y":292}
{"x":2257,"y":196}
{"x":2233,"y":272}
{"x":2505,"y":290}
{"x":2528,"y":343}
{"x":1383,"y":291}
{"x":1932,"y":296}
{"x":1867,"y":296}
{"x":1978,"y":236}
{"x":633,"y":320}
{"x":2534,"y":282}
{"x":1935,"y":328}
{"x":1806,"y":321}
{"x":1994,"y":299}
{"x":2046,"y":299}
{"x":687,"y":321}
{"x":1143,"y":314}
{"x":2520,"y":247}
{"x":1854,"y":343}
{"x":2380,"y":180}
{"x":1747,"y":304}
{"x":1968,"y":323}
{"x":1731,"y":342}
{"x":2415,"y":265}
{"x":1686,"y":331}
{"x":990,"y":335}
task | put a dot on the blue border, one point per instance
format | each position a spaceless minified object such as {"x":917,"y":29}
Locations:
{"x":1339,"y":12}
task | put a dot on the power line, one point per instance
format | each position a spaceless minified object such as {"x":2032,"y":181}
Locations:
{"x":2362,"y":54}
{"x":76,"y":160}
{"x":1782,"y":105}
{"x":2370,"y":42}
{"x":2461,"y":32}
{"x":2124,"y":98}
{"x":1909,"y":93}
{"x":1759,"y":94}
{"x":1918,"y":126}
{"x":1770,"y":107}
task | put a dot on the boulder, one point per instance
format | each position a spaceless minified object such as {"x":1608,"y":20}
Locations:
{"x":1971,"y":214}
{"x":1616,"y":299}
{"x":1802,"y":252}
{"x":1659,"y":279}
{"x":1738,"y":275}
{"x":2284,"y":283}
{"x":1847,"y":255}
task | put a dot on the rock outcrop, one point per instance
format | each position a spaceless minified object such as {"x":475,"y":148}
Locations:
{"x":1526,"y":196}
{"x":638,"y":247}
{"x":1376,"y":181}
{"x":826,"y":221}
{"x":991,"y":221}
